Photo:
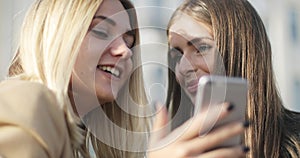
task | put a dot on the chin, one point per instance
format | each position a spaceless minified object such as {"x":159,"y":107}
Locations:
{"x":105,"y":98}
{"x":192,"y":97}
{"x":106,"y":94}
{"x":193,"y":101}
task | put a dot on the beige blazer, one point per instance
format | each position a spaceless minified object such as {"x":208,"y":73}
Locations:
{"x":31,"y":123}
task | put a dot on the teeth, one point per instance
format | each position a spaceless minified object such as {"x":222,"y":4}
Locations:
{"x":111,"y":70}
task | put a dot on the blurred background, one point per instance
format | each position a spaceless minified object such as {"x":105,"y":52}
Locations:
{"x":281,"y":18}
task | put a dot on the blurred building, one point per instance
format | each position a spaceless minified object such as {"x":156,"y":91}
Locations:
{"x":282,"y":20}
{"x":11,"y":16}
{"x":153,"y":16}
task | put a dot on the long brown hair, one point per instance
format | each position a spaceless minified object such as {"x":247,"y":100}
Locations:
{"x":243,"y":44}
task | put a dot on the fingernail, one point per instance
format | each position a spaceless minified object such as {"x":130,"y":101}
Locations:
{"x":230,"y":107}
{"x":246,"y":149}
{"x":246,"y":124}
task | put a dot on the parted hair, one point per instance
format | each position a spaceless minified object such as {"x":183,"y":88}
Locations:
{"x":244,"y":46}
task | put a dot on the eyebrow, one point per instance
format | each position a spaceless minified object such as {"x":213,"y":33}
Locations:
{"x":195,"y":40}
{"x":112,"y":22}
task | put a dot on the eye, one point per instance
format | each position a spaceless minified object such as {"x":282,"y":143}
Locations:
{"x":203,"y":49}
{"x":129,"y":38}
{"x":175,"y":54}
{"x":100,"y":33}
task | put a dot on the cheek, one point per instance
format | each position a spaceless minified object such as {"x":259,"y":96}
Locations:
{"x":85,"y":65}
{"x":205,"y":64}
{"x":91,"y":50}
{"x":129,"y":68}
{"x":81,"y":68}
{"x":179,"y":77}
{"x":127,"y":72}
{"x":82,"y":76}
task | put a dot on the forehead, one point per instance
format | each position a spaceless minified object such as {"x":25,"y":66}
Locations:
{"x":113,"y":9}
{"x":187,"y":27}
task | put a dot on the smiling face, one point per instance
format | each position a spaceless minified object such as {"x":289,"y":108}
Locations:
{"x":192,"y":48}
{"x":104,"y":62}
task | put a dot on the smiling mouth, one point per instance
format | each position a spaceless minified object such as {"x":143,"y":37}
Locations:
{"x":192,"y":85}
{"x":110,"y":69}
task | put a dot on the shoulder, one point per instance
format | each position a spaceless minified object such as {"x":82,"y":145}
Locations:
{"x":27,"y":99}
{"x":13,"y":87}
{"x":33,"y":108}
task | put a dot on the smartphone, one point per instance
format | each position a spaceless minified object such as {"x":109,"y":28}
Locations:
{"x":215,"y":90}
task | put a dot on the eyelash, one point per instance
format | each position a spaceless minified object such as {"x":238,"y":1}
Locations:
{"x":102,"y":34}
{"x":204,"y":48}
{"x":127,"y":39}
{"x":176,"y":53}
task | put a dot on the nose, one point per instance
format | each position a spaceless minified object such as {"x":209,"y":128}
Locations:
{"x":119,"y":48}
{"x":186,"y":66}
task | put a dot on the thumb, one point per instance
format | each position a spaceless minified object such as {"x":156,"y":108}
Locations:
{"x":160,"y":129}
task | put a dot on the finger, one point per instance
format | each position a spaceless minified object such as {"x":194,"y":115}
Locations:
{"x":216,"y":137}
{"x":203,"y":121}
{"x":159,"y":126}
{"x":161,"y":118}
{"x":233,"y":152}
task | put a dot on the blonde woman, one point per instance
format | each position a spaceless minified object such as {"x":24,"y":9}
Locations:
{"x":75,"y":58}
{"x":232,"y":28}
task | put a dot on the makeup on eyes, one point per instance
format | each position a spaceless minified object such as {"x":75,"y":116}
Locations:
{"x":201,"y":46}
{"x":107,"y":29}
{"x":101,"y":33}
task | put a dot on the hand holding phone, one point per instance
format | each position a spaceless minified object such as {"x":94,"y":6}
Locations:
{"x":215,"y":90}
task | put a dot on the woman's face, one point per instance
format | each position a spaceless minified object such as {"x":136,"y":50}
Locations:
{"x":192,"y":48}
{"x":104,"y":62}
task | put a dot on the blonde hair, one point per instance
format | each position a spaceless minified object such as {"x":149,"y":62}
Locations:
{"x":243,"y":43}
{"x":134,"y":95}
{"x":50,"y":39}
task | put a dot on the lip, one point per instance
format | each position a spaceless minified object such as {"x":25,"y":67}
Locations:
{"x":109,"y":75}
{"x":192,"y":86}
